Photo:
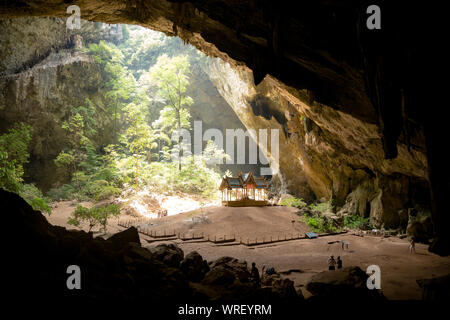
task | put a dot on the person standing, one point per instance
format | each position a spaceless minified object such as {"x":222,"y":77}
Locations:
{"x":344,"y":244}
{"x":254,"y":273}
{"x":412,"y":246}
{"x":339,"y":262}
{"x":331,"y":263}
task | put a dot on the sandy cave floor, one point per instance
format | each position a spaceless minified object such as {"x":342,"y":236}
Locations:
{"x":298,"y":260}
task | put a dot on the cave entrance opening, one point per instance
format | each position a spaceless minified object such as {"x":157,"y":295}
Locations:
{"x":109,"y":132}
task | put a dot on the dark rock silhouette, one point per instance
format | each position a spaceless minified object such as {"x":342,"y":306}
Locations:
{"x":348,"y":283}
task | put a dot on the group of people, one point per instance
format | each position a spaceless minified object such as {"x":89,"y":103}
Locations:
{"x":162,"y":213}
{"x":337,"y":263}
{"x":254,"y":274}
{"x":332,"y":263}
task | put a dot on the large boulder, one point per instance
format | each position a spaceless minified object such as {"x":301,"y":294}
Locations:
{"x":227,"y":279}
{"x":420,"y":226}
{"x":169,"y":254}
{"x":284,"y":288}
{"x":219,"y":275}
{"x":194,"y":267}
{"x":121,"y":239}
{"x":237,"y":267}
{"x":349,"y":282}
{"x":435,"y":289}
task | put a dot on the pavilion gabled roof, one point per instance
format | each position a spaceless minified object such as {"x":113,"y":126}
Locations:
{"x":242,"y":180}
{"x":231,"y":183}
{"x":261,"y":183}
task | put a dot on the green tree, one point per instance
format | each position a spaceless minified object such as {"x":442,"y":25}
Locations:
{"x":171,"y":77}
{"x":79,"y":142}
{"x":13,"y":155}
{"x":93,"y":216}
{"x":121,"y":90}
{"x":120,"y":85}
{"x":213,"y":155}
{"x":139,"y":137}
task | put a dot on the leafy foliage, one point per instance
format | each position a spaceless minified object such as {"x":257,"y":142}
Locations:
{"x":35,"y":198}
{"x":171,"y":78}
{"x":40,"y":204}
{"x":357,"y":222}
{"x":13,"y":155}
{"x":321,"y":224}
{"x":79,"y":131}
{"x":293,"y":202}
{"x":322,"y":206}
{"x":96,"y":216}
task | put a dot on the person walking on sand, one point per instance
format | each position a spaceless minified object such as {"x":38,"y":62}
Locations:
{"x":331,"y":263}
{"x":412,"y":246}
{"x":339,"y":262}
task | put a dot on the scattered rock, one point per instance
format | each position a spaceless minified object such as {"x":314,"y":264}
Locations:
{"x":268,"y":280}
{"x":237,"y":267}
{"x":121,"y":239}
{"x":194,"y":267}
{"x":349,"y":282}
{"x":219,"y":275}
{"x":435,"y":289}
{"x":284,"y":288}
{"x":170,"y":254}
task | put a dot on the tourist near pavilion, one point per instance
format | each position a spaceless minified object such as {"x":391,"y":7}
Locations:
{"x":245,"y":190}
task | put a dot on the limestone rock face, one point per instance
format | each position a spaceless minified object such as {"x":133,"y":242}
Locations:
{"x":325,"y":153}
{"x":42,"y":77}
{"x":419,"y":225}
